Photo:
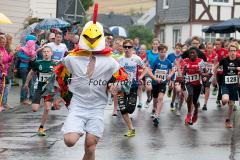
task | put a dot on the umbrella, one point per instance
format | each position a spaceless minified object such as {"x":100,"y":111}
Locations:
{"x":107,"y":31}
{"x":4,"y":19}
{"x":228,"y":26}
{"x":118,"y":31}
{"x":52,"y":23}
{"x":27,"y":31}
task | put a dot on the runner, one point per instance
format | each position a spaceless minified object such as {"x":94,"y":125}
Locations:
{"x":221,"y":53}
{"x":152,"y":56}
{"x":127,"y":101}
{"x":193,"y":69}
{"x":44,"y":70}
{"x":91,"y":68}
{"x":231,"y":67}
{"x":172,"y":58}
{"x":211,"y":61}
{"x":161,"y":73}
{"x":141,"y":86}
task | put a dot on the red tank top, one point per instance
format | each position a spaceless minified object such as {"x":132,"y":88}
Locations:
{"x":193,"y":71}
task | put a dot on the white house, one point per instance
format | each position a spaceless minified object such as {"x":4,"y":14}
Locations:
{"x":19,"y":10}
{"x":177,"y":20}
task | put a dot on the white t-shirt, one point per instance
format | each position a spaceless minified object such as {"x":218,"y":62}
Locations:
{"x":58,"y":50}
{"x":90,"y":93}
{"x":131,"y":65}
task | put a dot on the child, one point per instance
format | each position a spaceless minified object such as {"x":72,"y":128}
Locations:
{"x":44,"y":70}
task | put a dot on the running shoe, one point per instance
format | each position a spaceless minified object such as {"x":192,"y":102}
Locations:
{"x":195,"y":117}
{"x":172,"y":108}
{"x":169,"y":93}
{"x":156,"y":121}
{"x":214,"y":91}
{"x":130,"y":133}
{"x":228,"y":124}
{"x":139,"y":105}
{"x":153,"y":114}
{"x":41,"y":132}
{"x":218,"y":103}
{"x":188,"y":119}
{"x":204,"y":108}
{"x":178,"y":113}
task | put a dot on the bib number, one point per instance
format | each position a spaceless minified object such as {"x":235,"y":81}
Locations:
{"x":43,"y":77}
{"x":210,"y":68}
{"x":193,"y":77}
{"x":231,"y":79}
{"x":161,"y":74}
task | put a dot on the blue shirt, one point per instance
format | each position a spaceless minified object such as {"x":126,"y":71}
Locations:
{"x":172,"y":57}
{"x":151,"y":57}
{"x":24,"y":59}
{"x":161,"y":69}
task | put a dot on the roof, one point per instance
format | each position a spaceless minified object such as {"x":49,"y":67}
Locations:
{"x":178,"y":12}
{"x":115,"y":19}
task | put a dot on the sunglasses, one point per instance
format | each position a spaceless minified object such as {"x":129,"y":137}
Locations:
{"x":127,"y":47}
{"x":233,"y":50}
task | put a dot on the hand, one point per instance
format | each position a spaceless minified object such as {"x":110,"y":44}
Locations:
{"x":113,"y":89}
{"x":26,"y":87}
{"x":57,"y":102}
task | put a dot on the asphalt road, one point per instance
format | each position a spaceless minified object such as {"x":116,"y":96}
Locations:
{"x":172,"y":140}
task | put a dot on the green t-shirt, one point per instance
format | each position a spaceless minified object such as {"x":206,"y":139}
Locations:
{"x":44,"y":70}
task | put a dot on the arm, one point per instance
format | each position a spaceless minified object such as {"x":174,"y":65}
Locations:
{"x":29,"y":77}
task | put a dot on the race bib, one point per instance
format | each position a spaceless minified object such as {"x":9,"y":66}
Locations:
{"x":43,"y":77}
{"x":161,"y":74}
{"x":231,"y":79}
{"x":193,"y":77}
{"x":210,"y":68}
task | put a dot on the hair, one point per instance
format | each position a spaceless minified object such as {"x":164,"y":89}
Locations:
{"x":58,"y":33}
{"x":45,"y":47}
{"x":156,"y":39}
{"x":208,"y":43}
{"x":233,"y":45}
{"x":178,"y":45}
{"x":196,"y":38}
{"x":162,"y":47}
{"x":219,"y":40}
{"x":117,"y":40}
{"x":128,"y":41}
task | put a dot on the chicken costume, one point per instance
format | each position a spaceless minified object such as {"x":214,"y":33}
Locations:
{"x":88,"y":71}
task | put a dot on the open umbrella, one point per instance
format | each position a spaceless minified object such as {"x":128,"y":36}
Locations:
{"x":4,"y":19}
{"x":228,"y":26}
{"x":27,"y":31}
{"x":52,"y":23}
{"x":118,"y":31}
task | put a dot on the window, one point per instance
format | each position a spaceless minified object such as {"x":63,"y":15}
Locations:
{"x":210,"y":37}
{"x":162,"y":36}
{"x":165,"y":4}
{"x":221,"y":2}
{"x":176,"y":36}
{"x":225,"y":36}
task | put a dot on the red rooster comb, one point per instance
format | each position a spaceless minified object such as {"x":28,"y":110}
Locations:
{"x":95,"y":12}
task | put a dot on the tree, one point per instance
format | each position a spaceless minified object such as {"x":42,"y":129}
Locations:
{"x":86,"y":4}
{"x":142,"y":32}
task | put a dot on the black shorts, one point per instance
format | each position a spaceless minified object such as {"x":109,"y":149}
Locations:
{"x":38,"y":95}
{"x":127,"y":102}
{"x":158,"y":88}
{"x":231,"y":90}
{"x":194,"y":91}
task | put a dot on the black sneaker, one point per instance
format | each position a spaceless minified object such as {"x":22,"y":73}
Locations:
{"x":156,"y":121}
{"x":204,"y":107}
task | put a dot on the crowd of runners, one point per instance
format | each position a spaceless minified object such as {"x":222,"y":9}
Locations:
{"x":190,"y":70}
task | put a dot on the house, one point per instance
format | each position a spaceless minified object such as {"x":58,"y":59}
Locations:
{"x":20,"y":10}
{"x":177,"y":20}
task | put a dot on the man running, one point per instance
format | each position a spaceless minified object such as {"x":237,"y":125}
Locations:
{"x":231,"y":67}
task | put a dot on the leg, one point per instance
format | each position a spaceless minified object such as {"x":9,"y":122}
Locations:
{"x":159,"y":104}
{"x":70,"y":139}
{"x":47,"y":106}
{"x":23,"y":94}
{"x":115,"y":105}
{"x":90,"y":147}
{"x":149,"y":88}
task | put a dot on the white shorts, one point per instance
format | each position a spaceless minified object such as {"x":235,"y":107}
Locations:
{"x":81,"y":120}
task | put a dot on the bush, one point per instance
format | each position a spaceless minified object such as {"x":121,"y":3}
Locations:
{"x":143,"y":33}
